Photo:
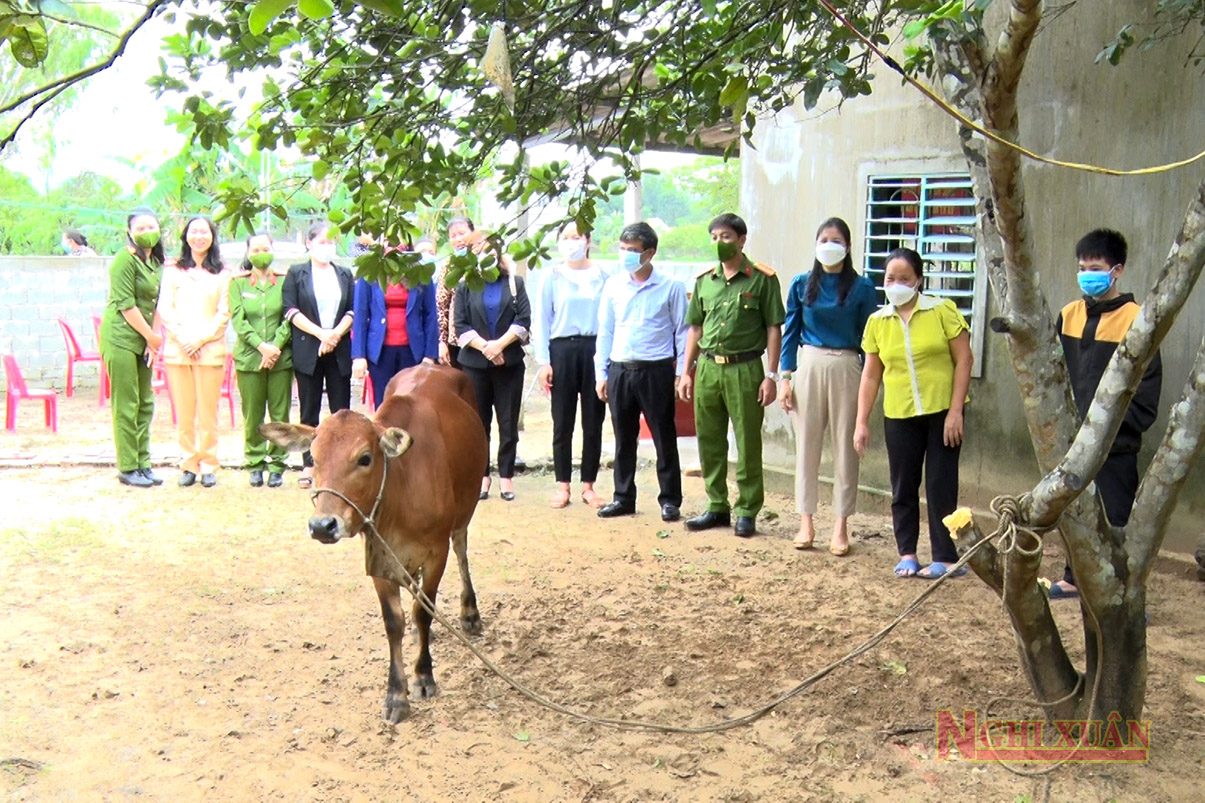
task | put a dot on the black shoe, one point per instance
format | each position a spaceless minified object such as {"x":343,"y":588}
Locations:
{"x":208,"y":480}
{"x":745,"y":527}
{"x":616,"y":509}
{"x":257,"y":478}
{"x":483,"y":495}
{"x":150,"y":475}
{"x":275,"y":480}
{"x":187,"y":478}
{"x":670,"y":513}
{"x":133,"y":478}
{"x":709,"y":519}
{"x":507,"y":496}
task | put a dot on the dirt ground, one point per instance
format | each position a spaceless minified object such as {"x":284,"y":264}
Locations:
{"x":195,"y":644}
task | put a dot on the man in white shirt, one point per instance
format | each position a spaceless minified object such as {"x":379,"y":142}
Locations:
{"x":641,"y":350}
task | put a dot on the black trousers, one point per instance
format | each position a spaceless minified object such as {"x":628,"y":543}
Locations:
{"x":914,"y":444}
{"x":309,"y":394}
{"x":499,"y":388}
{"x":648,"y":388}
{"x":572,"y":360}
{"x":1117,"y":484}
{"x":392,"y":360}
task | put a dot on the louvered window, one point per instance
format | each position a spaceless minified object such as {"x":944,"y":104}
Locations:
{"x":934,"y":215}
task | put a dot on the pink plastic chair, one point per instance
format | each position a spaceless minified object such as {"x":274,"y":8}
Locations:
{"x":104,"y":370}
{"x":16,"y":390}
{"x":227,"y":391}
{"x":76,"y":354}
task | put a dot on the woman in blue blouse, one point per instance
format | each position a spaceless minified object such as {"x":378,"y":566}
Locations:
{"x":565,"y":329}
{"x":491,"y":325}
{"x":827,"y":309}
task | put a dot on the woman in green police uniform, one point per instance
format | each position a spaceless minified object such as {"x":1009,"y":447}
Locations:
{"x":128,"y":345}
{"x":262,"y":356}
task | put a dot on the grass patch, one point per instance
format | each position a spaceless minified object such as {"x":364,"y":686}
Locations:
{"x":58,"y":542}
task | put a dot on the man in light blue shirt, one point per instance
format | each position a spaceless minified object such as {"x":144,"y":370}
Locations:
{"x":641,"y":350}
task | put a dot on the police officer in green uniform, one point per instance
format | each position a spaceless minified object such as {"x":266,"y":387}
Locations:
{"x":128,"y":345}
{"x":262,"y":356}
{"x":735,"y":315}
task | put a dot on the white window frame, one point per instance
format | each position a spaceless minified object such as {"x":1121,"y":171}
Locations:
{"x":933,"y":214}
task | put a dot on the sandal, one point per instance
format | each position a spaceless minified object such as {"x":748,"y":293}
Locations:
{"x":559,"y":499}
{"x":802,"y":543}
{"x":305,"y":480}
{"x":936,"y":570}
{"x":908,"y":567}
{"x":592,"y":499}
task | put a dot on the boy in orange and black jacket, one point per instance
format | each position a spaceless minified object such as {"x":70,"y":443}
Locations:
{"x":1090,"y":329}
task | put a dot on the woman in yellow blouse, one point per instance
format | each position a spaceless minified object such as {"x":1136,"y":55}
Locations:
{"x":918,"y":349}
{"x":194,"y":307}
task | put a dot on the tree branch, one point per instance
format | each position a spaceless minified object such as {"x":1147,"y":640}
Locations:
{"x":50,"y":91}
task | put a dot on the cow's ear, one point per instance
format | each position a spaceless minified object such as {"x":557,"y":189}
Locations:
{"x":294,"y":437}
{"x":395,"y":441}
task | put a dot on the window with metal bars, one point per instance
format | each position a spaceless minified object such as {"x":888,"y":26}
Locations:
{"x":934,"y":215}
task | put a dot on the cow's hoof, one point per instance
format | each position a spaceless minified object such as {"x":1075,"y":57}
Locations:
{"x":424,"y":686}
{"x":472,"y":625}
{"x":396,"y":709}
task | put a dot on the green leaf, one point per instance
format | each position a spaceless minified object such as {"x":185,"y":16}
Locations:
{"x":523,"y":736}
{"x":735,"y":92}
{"x":264,"y":12}
{"x":27,"y":40}
{"x":316,"y":9}
{"x":895,"y":668}
{"x":663,"y":533}
{"x":321,"y":169}
{"x":1200,"y":678}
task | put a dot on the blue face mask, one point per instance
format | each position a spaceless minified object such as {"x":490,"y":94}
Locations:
{"x":460,"y":251}
{"x":1095,"y":283}
{"x":66,"y":247}
{"x":630,"y":261}
{"x":427,"y":258}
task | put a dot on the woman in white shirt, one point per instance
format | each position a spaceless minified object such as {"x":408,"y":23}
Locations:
{"x":318,"y":297}
{"x":194,"y":308}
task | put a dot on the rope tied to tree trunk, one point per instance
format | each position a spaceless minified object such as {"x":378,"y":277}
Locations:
{"x":1010,"y":510}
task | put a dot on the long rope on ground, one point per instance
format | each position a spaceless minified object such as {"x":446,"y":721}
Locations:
{"x":416,"y":591}
{"x":993,"y":136}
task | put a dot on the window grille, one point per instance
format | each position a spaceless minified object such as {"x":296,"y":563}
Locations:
{"x":934,"y":215}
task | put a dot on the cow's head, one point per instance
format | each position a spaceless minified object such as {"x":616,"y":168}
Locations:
{"x":349,"y":451}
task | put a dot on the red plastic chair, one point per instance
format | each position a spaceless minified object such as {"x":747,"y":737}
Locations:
{"x":227,"y":391}
{"x":104,"y":369}
{"x":16,"y":390}
{"x":76,"y":354}
{"x":368,"y":396}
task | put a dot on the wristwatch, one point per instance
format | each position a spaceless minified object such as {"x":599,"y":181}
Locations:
{"x":773,"y":375}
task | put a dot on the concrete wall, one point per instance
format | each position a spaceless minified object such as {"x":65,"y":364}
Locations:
{"x":34,"y":290}
{"x":807,"y":166}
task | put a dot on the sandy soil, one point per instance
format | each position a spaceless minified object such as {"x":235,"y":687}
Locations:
{"x":195,"y":644}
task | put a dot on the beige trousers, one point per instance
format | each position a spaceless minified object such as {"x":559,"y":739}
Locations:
{"x":195,"y":391}
{"x":826,"y":396}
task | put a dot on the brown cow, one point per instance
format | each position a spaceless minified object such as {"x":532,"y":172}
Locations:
{"x":428,"y":434}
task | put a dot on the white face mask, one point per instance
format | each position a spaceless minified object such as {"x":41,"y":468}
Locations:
{"x":572,"y":250}
{"x":322,"y":252}
{"x":899,"y":294}
{"x":830,"y":253}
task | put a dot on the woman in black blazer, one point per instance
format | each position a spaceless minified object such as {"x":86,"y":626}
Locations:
{"x":491,"y":326}
{"x":318,"y":297}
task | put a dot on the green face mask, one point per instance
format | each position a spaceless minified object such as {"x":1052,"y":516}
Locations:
{"x":726,"y":251}
{"x":146,"y":239}
{"x":261,"y":260}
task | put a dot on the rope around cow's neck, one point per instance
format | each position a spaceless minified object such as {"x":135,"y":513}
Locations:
{"x":636,"y":724}
{"x":370,"y":519}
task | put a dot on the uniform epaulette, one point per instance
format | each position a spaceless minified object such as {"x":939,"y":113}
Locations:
{"x":766,"y":269}
{"x":704,"y":272}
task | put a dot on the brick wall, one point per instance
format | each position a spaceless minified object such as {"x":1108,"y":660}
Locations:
{"x":34,"y":291}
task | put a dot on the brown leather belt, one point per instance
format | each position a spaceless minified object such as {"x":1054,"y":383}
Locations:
{"x":733,"y":359}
